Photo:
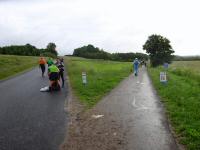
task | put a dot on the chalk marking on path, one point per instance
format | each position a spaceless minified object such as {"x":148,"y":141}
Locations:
{"x":142,"y":107}
{"x":97,"y":116}
{"x":138,"y":82}
{"x":133,"y":103}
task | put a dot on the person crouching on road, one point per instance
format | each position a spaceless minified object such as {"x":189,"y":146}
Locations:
{"x":53,"y":76}
{"x":136,"y":66}
{"x":42,"y":63}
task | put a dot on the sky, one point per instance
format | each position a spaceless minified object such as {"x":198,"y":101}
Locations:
{"x":112,"y":25}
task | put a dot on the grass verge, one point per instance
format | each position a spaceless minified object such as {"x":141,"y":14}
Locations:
{"x":102,"y":76}
{"x":11,"y":65}
{"x":181,"y":96}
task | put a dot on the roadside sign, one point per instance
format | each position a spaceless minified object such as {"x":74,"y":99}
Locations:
{"x":163,"y":77}
{"x":84,"y":78}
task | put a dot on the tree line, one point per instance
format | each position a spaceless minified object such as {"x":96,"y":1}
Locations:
{"x":30,"y":50}
{"x":157,"y":47}
{"x":92,"y":52}
{"x":186,"y":58}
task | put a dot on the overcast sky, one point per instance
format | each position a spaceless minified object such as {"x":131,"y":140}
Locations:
{"x":114,"y":25}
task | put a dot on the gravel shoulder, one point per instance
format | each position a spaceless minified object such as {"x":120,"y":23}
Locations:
{"x":86,"y":132}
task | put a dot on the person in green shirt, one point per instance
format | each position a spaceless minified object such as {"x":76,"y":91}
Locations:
{"x":49,"y":62}
{"x":54,"y":77}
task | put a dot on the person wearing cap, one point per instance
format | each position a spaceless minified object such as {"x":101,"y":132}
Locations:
{"x":136,"y":66}
{"x":42,"y":63}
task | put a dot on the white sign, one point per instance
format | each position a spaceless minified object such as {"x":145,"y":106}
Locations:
{"x":84,"y":77}
{"x":163,"y":77}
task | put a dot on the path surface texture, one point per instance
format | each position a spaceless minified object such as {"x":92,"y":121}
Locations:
{"x":137,"y":109}
{"x":30,"y":119}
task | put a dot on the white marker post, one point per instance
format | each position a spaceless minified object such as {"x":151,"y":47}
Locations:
{"x":163,"y":77}
{"x":84,"y":78}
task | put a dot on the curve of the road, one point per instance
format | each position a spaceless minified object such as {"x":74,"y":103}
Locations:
{"x":30,"y":119}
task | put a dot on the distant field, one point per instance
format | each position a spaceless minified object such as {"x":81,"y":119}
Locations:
{"x":102,"y":76}
{"x":11,"y":65}
{"x":181,"y":97}
{"x":194,"y":66}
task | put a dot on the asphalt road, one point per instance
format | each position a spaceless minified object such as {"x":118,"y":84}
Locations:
{"x":30,"y":119}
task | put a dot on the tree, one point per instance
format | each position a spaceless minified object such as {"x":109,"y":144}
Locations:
{"x":51,"y":47}
{"x":159,"y":50}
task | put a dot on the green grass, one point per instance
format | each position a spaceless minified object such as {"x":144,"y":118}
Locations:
{"x":181,"y":97}
{"x":102,"y":76}
{"x":11,"y":65}
{"x":193,"y":66}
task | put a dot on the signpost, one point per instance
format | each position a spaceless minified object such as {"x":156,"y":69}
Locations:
{"x":84,"y":78}
{"x":163,"y":75}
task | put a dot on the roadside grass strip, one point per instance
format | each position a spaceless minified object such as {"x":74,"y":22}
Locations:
{"x":102,"y":76}
{"x":11,"y":65}
{"x":181,"y":96}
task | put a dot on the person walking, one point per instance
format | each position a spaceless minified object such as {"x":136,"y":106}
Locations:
{"x":42,"y":63}
{"x":60,"y":65}
{"x":49,"y":62}
{"x":136,"y":66}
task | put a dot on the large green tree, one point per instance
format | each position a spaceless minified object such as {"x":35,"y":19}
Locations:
{"x":159,"y":50}
{"x":51,"y":47}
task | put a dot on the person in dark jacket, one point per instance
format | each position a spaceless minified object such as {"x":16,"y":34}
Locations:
{"x":60,"y":65}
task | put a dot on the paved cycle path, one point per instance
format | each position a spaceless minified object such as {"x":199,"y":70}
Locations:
{"x":135,"y":106}
{"x":30,"y":119}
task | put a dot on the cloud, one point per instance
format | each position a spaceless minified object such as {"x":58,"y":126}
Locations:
{"x":114,"y":25}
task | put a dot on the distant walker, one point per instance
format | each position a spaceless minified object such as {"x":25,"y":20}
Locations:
{"x":136,"y":66}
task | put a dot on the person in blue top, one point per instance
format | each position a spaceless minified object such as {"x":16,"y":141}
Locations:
{"x":136,"y":64}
